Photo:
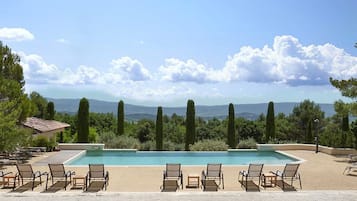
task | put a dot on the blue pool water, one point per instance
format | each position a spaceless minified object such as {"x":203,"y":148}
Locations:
{"x":185,"y":158}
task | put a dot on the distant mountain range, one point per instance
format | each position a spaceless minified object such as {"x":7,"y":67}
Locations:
{"x":136,"y":112}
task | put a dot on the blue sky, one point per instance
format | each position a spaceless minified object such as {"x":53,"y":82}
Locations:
{"x":166,"y":52}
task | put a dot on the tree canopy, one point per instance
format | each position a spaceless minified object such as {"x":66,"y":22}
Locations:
{"x":14,"y":104}
{"x":348,"y":89}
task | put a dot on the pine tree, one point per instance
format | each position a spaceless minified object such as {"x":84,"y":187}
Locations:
{"x":83,"y":121}
{"x":190,"y":124}
{"x":14,"y":103}
{"x":270,"y":123}
{"x":231,"y":138}
{"x":159,"y":129}
{"x":120,"y":118}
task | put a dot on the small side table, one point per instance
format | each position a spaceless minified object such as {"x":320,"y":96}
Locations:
{"x":79,"y":181}
{"x":9,"y":181}
{"x":193,"y":181}
{"x":268,"y":180}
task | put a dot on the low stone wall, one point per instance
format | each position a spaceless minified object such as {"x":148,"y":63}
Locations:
{"x":80,"y":146}
{"x":309,"y":147}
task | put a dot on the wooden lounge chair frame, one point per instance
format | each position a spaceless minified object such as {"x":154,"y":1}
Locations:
{"x":57,"y":171}
{"x":290,"y":172}
{"x":213,"y":172}
{"x":254,"y":171}
{"x":173,"y":172}
{"x":97,"y":172}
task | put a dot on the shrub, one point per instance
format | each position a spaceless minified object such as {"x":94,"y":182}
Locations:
{"x":148,"y":146}
{"x":123,"y":142}
{"x":43,"y":141}
{"x":209,"y":145}
{"x":170,"y":146}
{"x":249,"y":143}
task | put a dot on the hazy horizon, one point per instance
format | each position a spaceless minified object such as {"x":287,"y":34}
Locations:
{"x":156,"y":52}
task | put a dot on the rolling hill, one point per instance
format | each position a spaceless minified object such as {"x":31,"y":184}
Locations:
{"x":136,"y":112}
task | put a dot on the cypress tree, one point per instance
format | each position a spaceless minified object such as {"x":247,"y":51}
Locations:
{"x":309,"y":132}
{"x":190,"y":124}
{"x":231,"y":138}
{"x":120,"y":115}
{"x":50,"y":111}
{"x":159,"y":129}
{"x":83,"y":120}
{"x":270,"y":123}
{"x":345,"y":129}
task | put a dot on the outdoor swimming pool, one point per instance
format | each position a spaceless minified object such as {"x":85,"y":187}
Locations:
{"x":130,"y":158}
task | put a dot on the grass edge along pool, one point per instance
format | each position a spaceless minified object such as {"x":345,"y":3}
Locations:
{"x":135,"y":158}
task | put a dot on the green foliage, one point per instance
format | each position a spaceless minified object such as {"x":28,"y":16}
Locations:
{"x":83,"y":121}
{"x":209,"y":145}
{"x":302,"y":114}
{"x":112,"y":141}
{"x":40,"y":104}
{"x":248,"y":143}
{"x":145,"y":130}
{"x":354,"y":133}
{"x":72,"y":121}
{"x":231,"y":135}
{"x":348,"y":88}
{"x":67,"y":137}
{"x":284,"y":128}
{"x":309,"y":137}
{"x":148,"y":146}
{"x":43,"y":141}
{"x":345,"y":129}
{"x":14,"y":104}
{"x":10,"y":67}
{"x":159,"y":129}
{"x":50,"y":111}
{"x":102,"y":122}
{"x":270,"y":123}
{"x":190,"y":125}
{"x":249,"y":129}
{"x":120,"y":124}
{"x":170,"y":146}
{"x":92,"y":137}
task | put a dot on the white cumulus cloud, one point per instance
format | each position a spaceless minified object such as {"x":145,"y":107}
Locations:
{"x":15,"y":34}
{"x":290,"y":62}
{"x":130,"y":69}
{"x":36,"y":70}
{"x":287,"y":61}
{"x":123,"y":70}
{"x":176,"y":70}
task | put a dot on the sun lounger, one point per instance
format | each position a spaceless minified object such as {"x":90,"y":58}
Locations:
{"x":254,"y":171}
{"x":350,"y":168}
{"x":97,"y":173}
{"x":58,"y":173}
{"x":172,"y":172}
{"x":352,"y":158}
{"x":25,"y":172}
{"x":214,"y":172}
{"x":290,"y":172}
{"x":208,"y":184}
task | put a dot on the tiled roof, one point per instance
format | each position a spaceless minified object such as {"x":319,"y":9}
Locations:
{"x":43,"y":125}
